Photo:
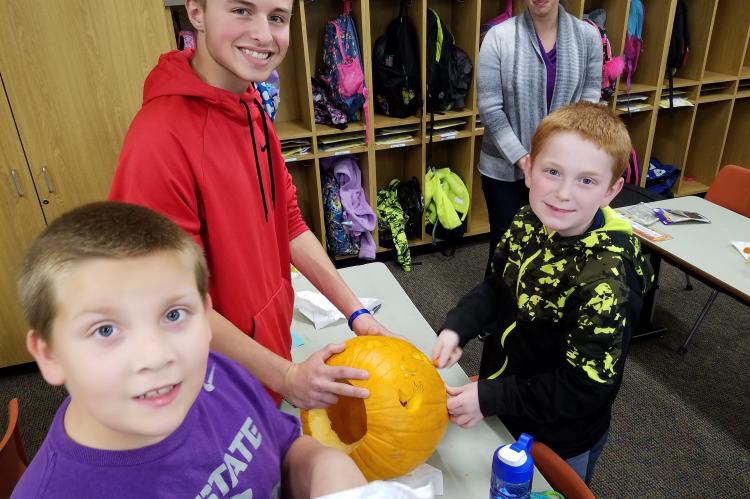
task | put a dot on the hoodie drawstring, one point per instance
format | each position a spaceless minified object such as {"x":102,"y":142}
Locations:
{"x":267,"y":148}
{"x":257,"y":162}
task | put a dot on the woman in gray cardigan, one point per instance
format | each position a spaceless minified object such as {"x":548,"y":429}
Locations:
{"x":528,"y":66}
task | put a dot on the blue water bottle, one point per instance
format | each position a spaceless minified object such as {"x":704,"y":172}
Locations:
{"x":512,"y":469}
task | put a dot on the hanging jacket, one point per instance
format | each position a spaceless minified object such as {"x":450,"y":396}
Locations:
{"x":392,"y":221}
{"x":210,"y":160}
{"x":566,"y":307}
{"x":356,"y":209}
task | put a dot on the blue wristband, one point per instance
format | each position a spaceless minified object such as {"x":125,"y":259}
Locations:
{"x":356,"y":314}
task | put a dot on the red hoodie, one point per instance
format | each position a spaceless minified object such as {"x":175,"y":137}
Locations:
{"x":210,"y":160}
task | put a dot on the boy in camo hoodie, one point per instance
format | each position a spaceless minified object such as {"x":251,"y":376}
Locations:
{"x":566,"y":287}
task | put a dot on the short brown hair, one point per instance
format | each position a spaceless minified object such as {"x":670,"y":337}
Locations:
{"x":105,"y":229}
{"x":595,"y":123}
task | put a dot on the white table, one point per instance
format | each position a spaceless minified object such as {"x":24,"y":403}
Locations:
{"x":464,"y":456}
{"x":704,"y":249}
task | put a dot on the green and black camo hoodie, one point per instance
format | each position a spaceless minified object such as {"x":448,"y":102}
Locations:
{"x":562,"y":310}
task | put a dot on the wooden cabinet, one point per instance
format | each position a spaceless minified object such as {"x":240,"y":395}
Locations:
{"x":72,"y":75}
{"x":22,"y":220}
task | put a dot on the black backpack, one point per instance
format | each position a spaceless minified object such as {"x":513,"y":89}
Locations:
{"x":448,"y":67}
{"x":396,"y":73}
{"x":410,"y":198}
{"x":679,"y":45}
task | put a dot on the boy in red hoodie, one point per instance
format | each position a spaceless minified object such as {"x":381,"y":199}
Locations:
{"x":203,"y":152}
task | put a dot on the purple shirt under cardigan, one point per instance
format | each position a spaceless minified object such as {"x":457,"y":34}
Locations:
{"x":231,"y":444}
{"x":550,"y":62}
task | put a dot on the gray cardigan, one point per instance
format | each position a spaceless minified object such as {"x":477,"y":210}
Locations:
{"x":511,"y":85}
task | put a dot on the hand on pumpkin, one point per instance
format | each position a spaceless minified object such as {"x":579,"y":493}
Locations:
{"x":446,"y":351}
{"x":463,"y":405}
{"x":367,"y":325}
{"x":313,"y":384}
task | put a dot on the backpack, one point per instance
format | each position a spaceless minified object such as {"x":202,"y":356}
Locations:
{"x":338,"y":240}
{"x":410,"y":198}
{"x":632,"y":173}
{"x":269,"y":94}
{"x":396,"y":70}
{"x":633,"y":39}
{"x":504,"y":16}
{"x":459,"y":74}
{"x":342,"y":65}
{"x":679,"y":45}
{"x":612,"y":67}
{"x":448,"y":68}
{"x":446,"y":201}
{"x":439,"y":45}
{"x":661,"y":177}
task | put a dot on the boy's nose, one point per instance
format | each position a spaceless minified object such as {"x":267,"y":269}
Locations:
{"x":260,"y":30}
{"x":152,"y":351}
{"x":563,"y":190}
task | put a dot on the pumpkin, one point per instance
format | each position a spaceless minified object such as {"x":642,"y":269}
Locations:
{"x":400,"y":424}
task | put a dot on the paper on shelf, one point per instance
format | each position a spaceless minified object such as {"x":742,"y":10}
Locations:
{"x":322,"y":312}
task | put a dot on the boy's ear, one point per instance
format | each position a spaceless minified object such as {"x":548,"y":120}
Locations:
{"x":195,"y":14}
{"x":51,"y":370}
{"x":613,"y":191}
{"x":525,"y":164}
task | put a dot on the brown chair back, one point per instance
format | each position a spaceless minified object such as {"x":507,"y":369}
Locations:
{"x":13,"y":460}
{"x":558,"y":473}
{"x":731,"y":189}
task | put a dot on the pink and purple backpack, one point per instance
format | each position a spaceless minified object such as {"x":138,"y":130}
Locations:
{"x":342,"y":65}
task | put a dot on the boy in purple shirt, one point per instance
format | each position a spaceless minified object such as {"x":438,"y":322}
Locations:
{"x":116,"y":297}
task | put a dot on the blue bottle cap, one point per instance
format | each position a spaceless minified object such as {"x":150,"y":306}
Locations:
{"x":513,"y":462}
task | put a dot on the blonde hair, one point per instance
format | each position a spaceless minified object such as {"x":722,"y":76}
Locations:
{"x":593,"y":122}
{"x":109,"y":230}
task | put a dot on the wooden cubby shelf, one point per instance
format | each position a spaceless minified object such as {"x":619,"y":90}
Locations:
{"x":709,"y":130}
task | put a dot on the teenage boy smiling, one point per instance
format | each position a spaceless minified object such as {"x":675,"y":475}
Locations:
{"x":203,"y":152}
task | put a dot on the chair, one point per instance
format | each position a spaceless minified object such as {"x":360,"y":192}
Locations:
{"x":730,"y":189}
{"x":558,"y":473}
{"x":13,"y":461}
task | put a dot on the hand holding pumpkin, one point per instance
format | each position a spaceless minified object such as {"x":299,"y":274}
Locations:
{"x":463,"y":405}
{"x":446,"y":351}
{"x":313,"y":384}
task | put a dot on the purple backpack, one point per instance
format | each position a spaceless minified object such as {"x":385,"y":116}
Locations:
{"x":504,"y":16}
{"x":342,"y":65}
{"x":633,"y":39}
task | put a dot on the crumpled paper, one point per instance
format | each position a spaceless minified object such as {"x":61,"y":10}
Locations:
{"x":322,"y":312}
{"x":743,"y":248}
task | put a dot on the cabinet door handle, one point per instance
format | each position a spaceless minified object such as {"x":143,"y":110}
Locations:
{"x":14,"y":176}
{"x":50,"y":188}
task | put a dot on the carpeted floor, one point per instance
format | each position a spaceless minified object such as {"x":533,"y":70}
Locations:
{"x":680,"y":427}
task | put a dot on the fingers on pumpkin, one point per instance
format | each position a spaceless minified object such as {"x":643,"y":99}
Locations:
{"x":343,"y":372}
{"x":347,"y":390}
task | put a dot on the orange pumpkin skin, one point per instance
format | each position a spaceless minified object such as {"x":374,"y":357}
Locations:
{"x":401,"y":423}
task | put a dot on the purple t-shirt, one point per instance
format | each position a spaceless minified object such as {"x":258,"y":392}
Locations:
{"x":550,"y":62}
{"x":231,"y":444}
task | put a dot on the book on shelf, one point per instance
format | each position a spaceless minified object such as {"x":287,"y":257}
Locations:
{"x":394,"y":139}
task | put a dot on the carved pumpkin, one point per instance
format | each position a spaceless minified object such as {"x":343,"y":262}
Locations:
{"x":400,"y":424}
